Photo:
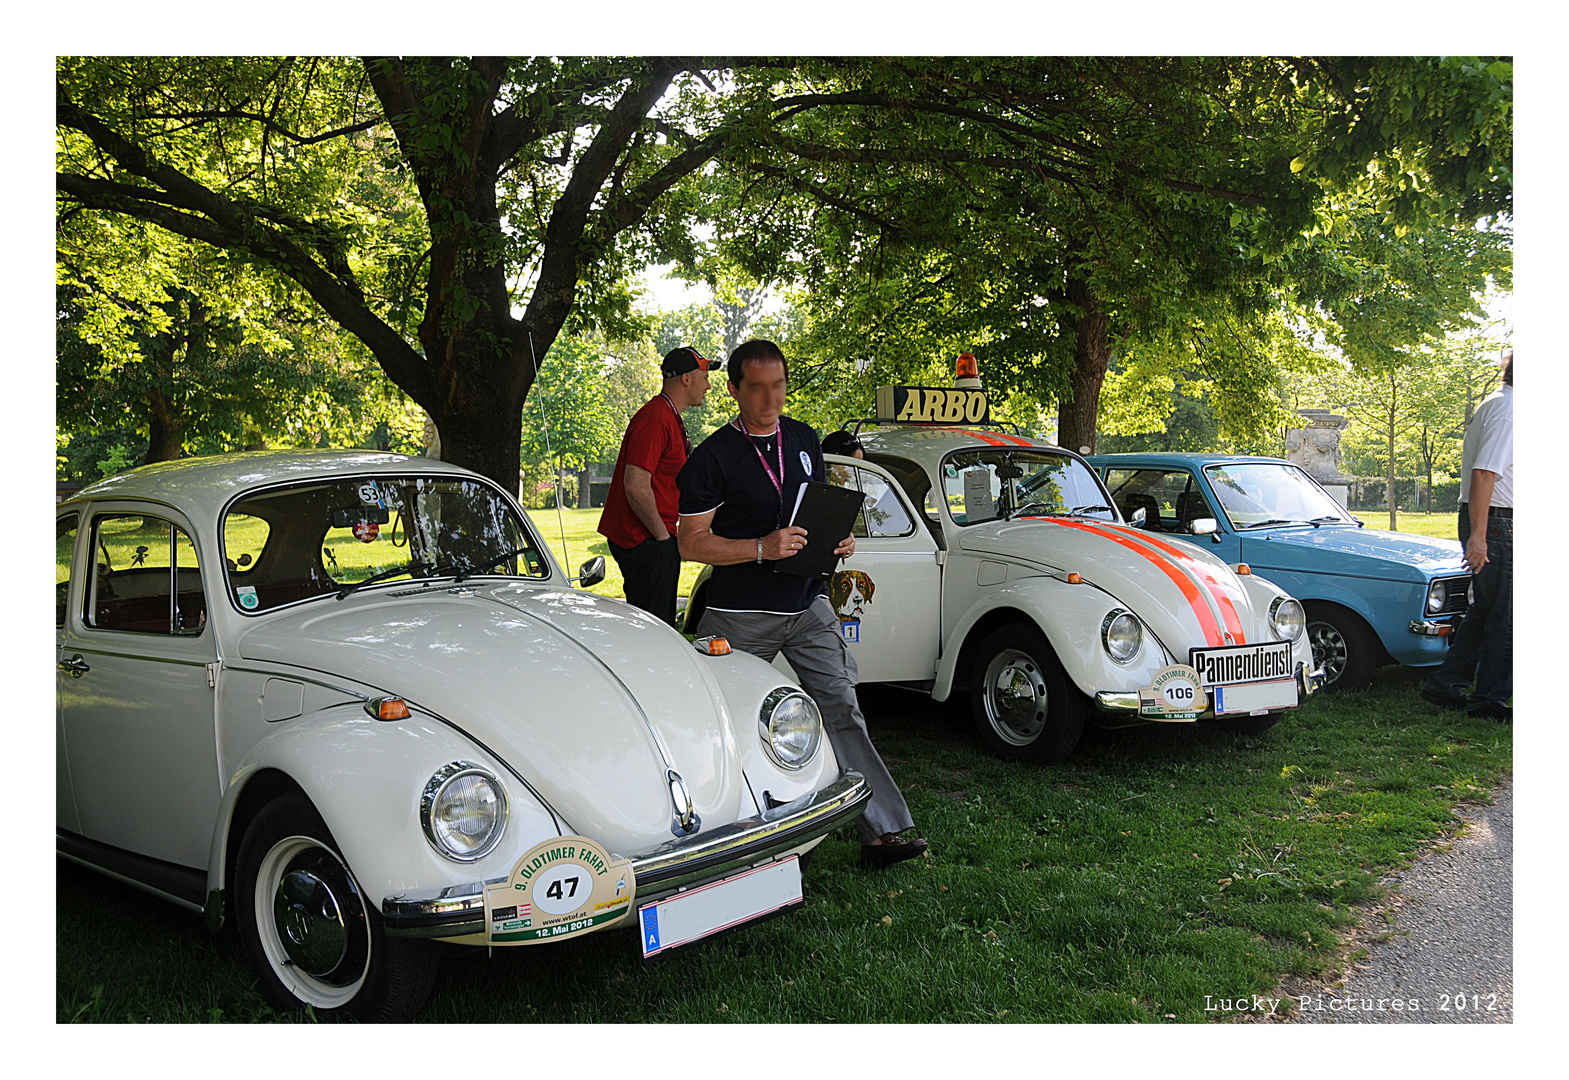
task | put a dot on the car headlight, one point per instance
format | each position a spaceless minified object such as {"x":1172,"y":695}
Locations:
{"x":1287,"y":618}
{"x":1121,"y":635}
{"x":1436,"y":593}
{"x":463,"y":811}
{"x":790,"y":727}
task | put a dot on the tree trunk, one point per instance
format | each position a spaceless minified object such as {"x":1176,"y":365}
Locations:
{"x":165,"y":428}
{"x":1389,"y":488}
{"x":1077,"y":417}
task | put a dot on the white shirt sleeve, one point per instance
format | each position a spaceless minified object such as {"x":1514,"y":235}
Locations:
{"x":1495,"y":451}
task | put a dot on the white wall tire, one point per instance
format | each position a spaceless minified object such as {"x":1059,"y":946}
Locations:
{"x":311,"y":934}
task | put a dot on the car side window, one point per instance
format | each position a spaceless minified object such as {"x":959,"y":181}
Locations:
{"x":64,"y":549}
{"x":1164,"y":496}
{"x":145,"y":577}
{"x":882,"y":513}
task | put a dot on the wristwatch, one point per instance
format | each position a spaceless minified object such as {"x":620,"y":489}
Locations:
{"x":759,"y":549}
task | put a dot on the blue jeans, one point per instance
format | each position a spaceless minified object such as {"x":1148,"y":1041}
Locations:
{"x":1482,"y":649}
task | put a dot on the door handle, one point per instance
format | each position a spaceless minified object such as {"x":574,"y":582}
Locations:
{"x":76,"y":666}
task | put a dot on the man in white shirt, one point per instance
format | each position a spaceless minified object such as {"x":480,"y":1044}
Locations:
{"x":1482,"y":649}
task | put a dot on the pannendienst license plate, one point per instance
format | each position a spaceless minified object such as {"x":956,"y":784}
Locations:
{"x":698,"y":913}
{"x":1242,"y":664}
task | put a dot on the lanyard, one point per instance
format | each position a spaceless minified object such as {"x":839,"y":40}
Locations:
{"x":686,"y":440}
{"x":776,"y":480}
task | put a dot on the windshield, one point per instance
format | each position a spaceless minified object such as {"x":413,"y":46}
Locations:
{"x":1260,"y":492}
{"x":984,"y":485}
{"x":295,"y":543}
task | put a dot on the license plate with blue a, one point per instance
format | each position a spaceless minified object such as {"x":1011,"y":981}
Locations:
{"x":691,"y":916}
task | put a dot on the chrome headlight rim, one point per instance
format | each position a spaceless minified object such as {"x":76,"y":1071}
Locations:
{"x":1435,"y":603}
{"x":766,"y":714}
{"x":1114,"y":616}
{"x":1276,"y":606}
{"x":440,"y":780}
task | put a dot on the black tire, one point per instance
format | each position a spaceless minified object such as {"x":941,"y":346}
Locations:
{"x":1023,"y":704}
{"x":1342,"y":645}
{"x":312,"y":935}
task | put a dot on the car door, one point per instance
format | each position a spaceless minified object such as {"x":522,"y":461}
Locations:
{"x":67,"y":527}
{"x":139,"y":706}
{"x":887,"y":595}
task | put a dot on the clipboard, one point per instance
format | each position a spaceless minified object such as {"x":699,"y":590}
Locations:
{"x":827,"y":513}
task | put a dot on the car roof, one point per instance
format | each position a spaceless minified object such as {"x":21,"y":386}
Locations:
{"x":1167,"y":458}
{"x":214,"y":479}
{"x":927,"y":443}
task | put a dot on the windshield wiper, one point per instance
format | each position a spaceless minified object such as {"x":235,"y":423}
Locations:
{"x":1327,"y":518}
{"x":417,"y":564}
{"x":1088,"y":509}
{"x":1275,"y":521}
{"x":466,"y":570}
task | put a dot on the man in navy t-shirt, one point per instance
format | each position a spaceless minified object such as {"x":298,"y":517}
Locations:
{"x":738,"y":489}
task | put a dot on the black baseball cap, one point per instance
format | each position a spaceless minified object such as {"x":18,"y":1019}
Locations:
{"x":684,"y":359}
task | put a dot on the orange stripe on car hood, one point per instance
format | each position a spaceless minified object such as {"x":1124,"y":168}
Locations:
{"x":1190,"y":590}
{"x":1217,"y":587}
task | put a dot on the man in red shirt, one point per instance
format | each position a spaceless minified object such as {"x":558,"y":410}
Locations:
{"x":639,"y":519}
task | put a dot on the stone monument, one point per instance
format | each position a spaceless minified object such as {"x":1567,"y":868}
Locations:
{"x":1316,"y":447}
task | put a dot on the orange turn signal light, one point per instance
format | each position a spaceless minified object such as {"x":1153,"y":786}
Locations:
{"x":1075,"y":579}
{"x":1445,"y":630}
{"x":713,"y":646}
{"x":388,"y":708}
{"x":1243,"y":569}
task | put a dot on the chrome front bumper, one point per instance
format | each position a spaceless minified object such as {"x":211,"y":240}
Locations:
{"x":459,"y":910}
{"x":1125,"y":704}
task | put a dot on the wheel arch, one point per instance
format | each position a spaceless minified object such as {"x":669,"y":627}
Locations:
{"x":364,"y":778}
{"x":249,"y":794}
{"x":1308,"y":607}
{"x":1068,"y":616}
{"x":959,"y":678}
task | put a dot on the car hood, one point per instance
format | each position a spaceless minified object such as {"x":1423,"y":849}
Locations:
{"x":584,"y":697}
{"x":1187,"y":596}
{"x":1353,"y":552}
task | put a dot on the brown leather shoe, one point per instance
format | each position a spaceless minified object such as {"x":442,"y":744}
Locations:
{"x":893,"y":849}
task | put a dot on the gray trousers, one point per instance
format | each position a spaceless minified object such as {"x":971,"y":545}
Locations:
{"x":811,"y":642}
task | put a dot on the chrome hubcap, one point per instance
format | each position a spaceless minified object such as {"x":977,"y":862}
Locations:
{"x":1016,"y":697}
{"x":319,"y":939}
{"x":1329,"y":649}
{"x":309,"y":918}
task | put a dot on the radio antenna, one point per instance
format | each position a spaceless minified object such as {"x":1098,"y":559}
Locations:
{"x":555,"y":466}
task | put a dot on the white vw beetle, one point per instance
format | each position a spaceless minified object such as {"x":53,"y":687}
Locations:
{"x":349,"y":700}
{"x":995,"y":563}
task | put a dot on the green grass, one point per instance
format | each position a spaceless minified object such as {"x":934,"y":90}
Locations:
{"x":1442,"y":526}
{"x":584,"y":542}
{"x":1155,"y":867}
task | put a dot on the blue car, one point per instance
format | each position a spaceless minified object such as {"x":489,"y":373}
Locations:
{"x":1372,"y":597}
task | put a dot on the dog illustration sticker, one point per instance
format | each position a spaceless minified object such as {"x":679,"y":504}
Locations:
{"x":850,"y":592}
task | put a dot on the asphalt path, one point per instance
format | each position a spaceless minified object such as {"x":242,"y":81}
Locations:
{"x":1450,"y":958}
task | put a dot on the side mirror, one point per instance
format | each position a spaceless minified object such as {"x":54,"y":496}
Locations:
{"x":1203,"y":526}
{"x":1137,"y":520}
{"x":591,"y":573}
